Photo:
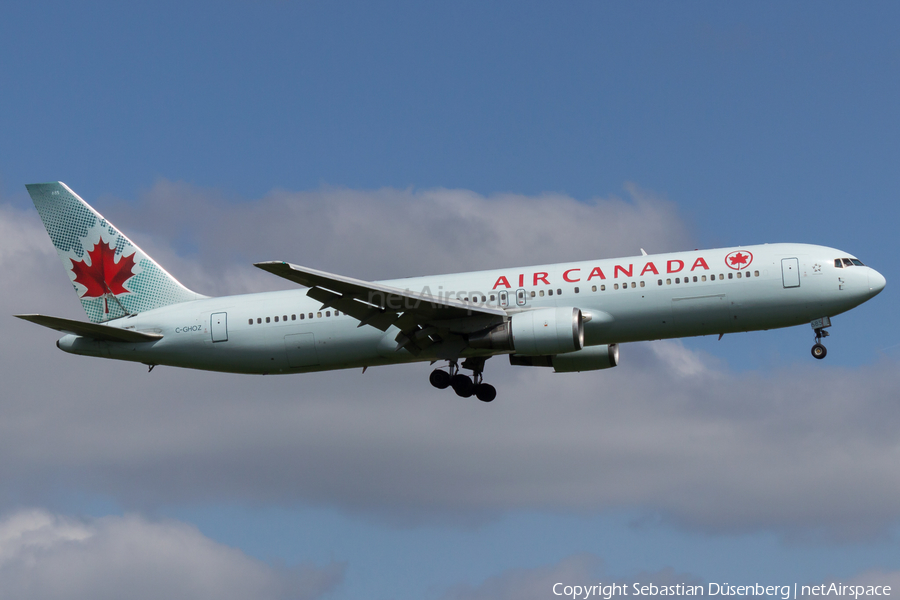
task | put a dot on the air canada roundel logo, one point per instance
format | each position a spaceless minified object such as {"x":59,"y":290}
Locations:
{"x":738,"y":260}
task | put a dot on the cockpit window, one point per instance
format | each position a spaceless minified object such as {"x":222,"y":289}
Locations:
{"x":857,"y":262}
{"x":847,"y":262}
{"x":838,"y":264}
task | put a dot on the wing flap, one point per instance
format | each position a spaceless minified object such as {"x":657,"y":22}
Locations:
{"x":91,"y":330}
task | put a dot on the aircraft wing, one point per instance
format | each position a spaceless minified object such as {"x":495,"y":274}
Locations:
{"x":421,"y":318}
{"x":91,"y":330}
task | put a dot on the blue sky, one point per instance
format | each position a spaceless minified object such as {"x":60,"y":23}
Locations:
{"x":715,"y":124}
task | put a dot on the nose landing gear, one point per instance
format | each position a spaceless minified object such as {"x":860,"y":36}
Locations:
{"x":463,"y":385}
{"x":818,"y":350}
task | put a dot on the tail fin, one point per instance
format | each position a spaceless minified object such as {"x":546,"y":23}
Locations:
{"x":112,"y":277}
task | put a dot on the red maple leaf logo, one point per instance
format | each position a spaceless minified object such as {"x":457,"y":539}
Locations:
{"x":103,"y":276}
{"x":738,"y":259}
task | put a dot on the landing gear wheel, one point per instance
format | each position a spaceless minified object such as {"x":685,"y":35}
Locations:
{"x":462,"y":385}
{"x":819,"y":351}
{"x":439,"y":379}
{"x":485,"y":392}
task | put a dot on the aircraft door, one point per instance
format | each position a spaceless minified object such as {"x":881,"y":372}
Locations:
{"x":504,"y":298}
{"x":218,"y":325}
{"x":520,"y":297}
{"x":790,"y":272}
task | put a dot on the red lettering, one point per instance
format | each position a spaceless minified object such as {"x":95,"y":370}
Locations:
{"x":596,"y":273}
{"x":566,"y":276}
{"x":650,"y":267}
{"x":627,"y":272}
{"x":521,"y":281}
{"x":669,"y":264}
{"x":541,"y":277}
{"x":502,"y":281}
{"x":700,"y":263}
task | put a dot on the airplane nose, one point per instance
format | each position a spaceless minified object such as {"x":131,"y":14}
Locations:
{"x":876,"y":281}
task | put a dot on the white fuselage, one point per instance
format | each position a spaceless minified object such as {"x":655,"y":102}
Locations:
{"x":650,"y":297}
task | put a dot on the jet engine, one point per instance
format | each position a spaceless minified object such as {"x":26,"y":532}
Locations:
{"x":591,"y":358}
{"x":539,"y":332}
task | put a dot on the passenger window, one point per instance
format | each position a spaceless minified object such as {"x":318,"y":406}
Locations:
{"x":336,"y":313}
{"x":559,"y":292}
{"x":730,"y":275}
{"x":615,"y":286}
{"x":319,"y":315}
{"x":756,"y":273}
{"x":492,"y":297}
{"x":302,"y":316}
{"x":293,"y":317}
{"x":549,"y":292}
{"x":633,"y":285}
{"x":251,"y":321}
{"x":642,"y":284}
{"x":284,"y":318}
{"x":310,"y":315}
{"x":593,"y":288}
{"x":703,"y":278}
{"x":602,"y":288}
{"x":276,"y":318}
{"x":576,"y":290}
{"x":668,"y":282}
{"x":268,"y":320}
{"x":258,"y":320}
{"x":532,"y":294}
{"x":695,"y":279}
{"x":659,"y":282}
{"x":541,"y":293}
{"x":738,"y":274}
{"x":678,"y":280}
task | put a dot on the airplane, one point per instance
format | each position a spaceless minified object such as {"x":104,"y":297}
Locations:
{"x":570,"y":317}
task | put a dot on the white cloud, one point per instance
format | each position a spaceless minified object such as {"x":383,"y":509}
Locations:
{"x":43,"y":555}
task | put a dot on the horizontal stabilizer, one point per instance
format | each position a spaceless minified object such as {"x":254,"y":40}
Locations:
{"x":91,"y":330}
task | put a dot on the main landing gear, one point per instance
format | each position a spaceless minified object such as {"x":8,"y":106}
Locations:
{"x":463,"y":385}
{"x":818,"y":350}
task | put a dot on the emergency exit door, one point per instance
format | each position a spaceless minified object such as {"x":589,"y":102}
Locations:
{"x":790,"y":272}
{"x":218,"y":326}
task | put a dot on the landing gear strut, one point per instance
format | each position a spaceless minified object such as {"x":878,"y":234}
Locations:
{"x":463,"y":385}
{"x":818,"y":350}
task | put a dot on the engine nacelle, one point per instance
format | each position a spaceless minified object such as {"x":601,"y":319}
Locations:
{"x":591,"y":358}
{"x":539,"y":332}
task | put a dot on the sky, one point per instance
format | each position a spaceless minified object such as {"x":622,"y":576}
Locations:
{"x":383,"y":140}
